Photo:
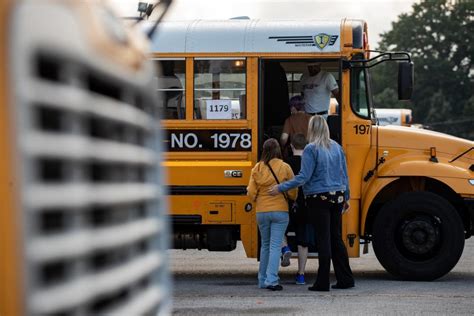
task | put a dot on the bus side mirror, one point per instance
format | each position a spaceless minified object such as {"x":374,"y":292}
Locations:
{"x":405,"y":80}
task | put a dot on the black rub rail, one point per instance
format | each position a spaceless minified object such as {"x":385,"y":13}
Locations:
{"x":206,"y":190}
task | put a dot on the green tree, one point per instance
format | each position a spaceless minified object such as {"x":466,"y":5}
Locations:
{"x":439,"y":34}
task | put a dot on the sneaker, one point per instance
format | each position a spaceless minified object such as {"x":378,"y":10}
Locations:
{"x":285,"y":256}
{"x":300,"y":279}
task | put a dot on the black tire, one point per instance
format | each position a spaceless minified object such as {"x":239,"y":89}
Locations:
{"x":418,"y":236}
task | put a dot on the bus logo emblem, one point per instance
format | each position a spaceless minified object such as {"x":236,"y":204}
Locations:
{"x":233,"y":173}
{"x":321,"y":40}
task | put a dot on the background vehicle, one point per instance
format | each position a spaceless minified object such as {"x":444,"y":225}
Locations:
{"x":384,"y":116}
{"x":393,"y":117}
{"x":82,"y":226}
{"x":412,"y":190}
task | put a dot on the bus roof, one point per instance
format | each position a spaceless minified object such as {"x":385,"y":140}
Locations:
{"x":252,"y":36}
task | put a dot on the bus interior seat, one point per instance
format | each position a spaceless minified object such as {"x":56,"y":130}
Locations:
{"x":173,"y":102}
{"x":179,"y":108}
{"x":197,"y":110}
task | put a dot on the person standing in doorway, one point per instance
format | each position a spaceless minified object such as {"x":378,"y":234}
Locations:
{"x":323,"y":176}
{"x":316,"y":88}
{"x":272,"y":210}
{"x":296,"y":123}
{"x":299,"y":212}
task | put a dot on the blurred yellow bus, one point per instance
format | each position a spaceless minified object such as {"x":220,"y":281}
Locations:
{"x":226,"y":86}
{"x":383,"y":116}
{"x":394,"y":117}
{"x":81,"y":221}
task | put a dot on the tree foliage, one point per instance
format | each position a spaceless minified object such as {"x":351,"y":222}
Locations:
{"x":439,"y":34}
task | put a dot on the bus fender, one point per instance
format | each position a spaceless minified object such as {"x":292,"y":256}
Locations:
{"x":448,"y":174}
{"x":374,"y":187}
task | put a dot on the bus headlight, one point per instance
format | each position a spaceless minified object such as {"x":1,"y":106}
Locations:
{"x":471,"y":181}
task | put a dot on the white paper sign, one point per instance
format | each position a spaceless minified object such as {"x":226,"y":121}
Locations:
{"x":219,"y":109}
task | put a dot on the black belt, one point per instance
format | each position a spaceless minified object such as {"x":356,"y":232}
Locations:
{"x":319,"y":113}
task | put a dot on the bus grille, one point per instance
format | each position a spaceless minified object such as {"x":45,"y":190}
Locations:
{"x":93,"y":227}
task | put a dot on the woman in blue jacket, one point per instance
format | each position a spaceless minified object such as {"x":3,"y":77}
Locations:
{"x":323,"y":176}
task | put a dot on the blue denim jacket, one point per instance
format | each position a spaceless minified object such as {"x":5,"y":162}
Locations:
{"x":322,"y":170}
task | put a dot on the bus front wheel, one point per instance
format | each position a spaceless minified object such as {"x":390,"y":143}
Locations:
{"x":418,"y":236}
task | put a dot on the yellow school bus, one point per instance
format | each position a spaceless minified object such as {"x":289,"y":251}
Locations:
{"x":82,"y":227}
{"x":226,"y":86}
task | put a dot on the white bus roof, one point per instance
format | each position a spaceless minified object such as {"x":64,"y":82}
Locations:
{"x":253,"y":36}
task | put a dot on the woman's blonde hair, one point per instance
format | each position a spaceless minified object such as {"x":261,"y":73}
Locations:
{"x":318,"y":132}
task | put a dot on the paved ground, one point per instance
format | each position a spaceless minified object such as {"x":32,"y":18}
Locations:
{"x":225,"y":283}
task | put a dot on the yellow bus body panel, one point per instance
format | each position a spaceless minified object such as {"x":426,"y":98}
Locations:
{"x":407,"y":154}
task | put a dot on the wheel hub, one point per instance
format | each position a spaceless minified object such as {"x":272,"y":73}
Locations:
{"x":419,"y":236}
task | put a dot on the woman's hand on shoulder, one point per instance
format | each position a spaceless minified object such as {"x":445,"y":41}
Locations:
{"x":273,"y":190}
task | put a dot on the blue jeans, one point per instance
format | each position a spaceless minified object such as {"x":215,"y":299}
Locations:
{"x":272,"y":226}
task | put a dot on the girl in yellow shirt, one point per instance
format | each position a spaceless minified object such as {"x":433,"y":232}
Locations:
{"x":272,"y":211}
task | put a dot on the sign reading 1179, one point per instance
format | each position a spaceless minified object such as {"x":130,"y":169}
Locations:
{"x":208,"y":140}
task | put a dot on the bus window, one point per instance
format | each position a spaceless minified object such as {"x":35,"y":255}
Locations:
{"x":219,"y":89}
{"x":359,"y":100}
{"x":172,"y":85}
{"x":293,"y":79}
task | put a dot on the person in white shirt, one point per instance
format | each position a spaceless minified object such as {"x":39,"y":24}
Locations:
{"x":317,"y":88}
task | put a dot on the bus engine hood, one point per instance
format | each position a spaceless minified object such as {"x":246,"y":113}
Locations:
{"x":406,"y":140}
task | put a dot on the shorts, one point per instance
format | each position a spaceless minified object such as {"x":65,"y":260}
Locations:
{"x":305,"y":235}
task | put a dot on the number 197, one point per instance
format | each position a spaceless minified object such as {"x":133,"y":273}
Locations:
{"x":362,"y":129}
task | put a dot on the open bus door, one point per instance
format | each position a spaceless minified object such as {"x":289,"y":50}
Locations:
{"x":278,"y":82}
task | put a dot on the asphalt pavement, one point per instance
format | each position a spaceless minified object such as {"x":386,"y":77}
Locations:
{"x":222,"y":283}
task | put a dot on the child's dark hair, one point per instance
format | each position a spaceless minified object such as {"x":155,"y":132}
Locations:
{"x":299,"y":141}
{"x":271,"y":149}
{"x":297,"y":102}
